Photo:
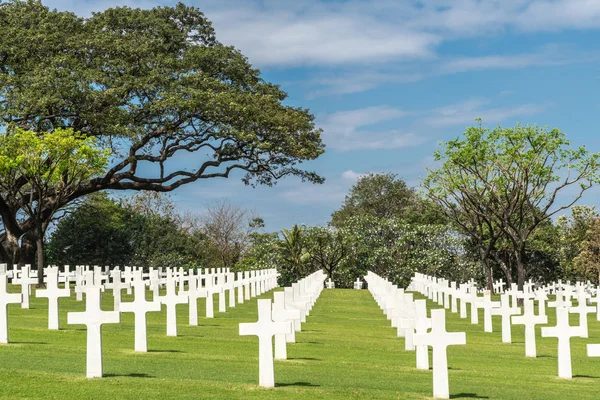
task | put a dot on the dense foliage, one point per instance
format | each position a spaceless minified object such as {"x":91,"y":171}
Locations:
{"x":151,"y":85}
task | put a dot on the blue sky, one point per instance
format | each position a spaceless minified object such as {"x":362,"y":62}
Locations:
{"x":389,"y":79}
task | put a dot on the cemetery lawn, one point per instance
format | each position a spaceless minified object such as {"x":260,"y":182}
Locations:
{"x":347,"y":349}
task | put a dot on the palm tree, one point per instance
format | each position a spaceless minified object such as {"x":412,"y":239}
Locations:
{"x":293,"y":249}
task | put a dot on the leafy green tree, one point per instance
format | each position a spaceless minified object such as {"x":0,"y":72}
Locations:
{"x":98,"y":232}
{"x":395,"y":249}
{"x":293,"y":252}
{"x":34,"y":167}
{"x":587,"y":262}
{"x":573,"y":231}
{"x":103,"y":231}
{"x":153,"y":85}
{"x":517,"y":174}
{"x":263,"y":252}
{"x":326,"y":248}
{"x":385,"y":196}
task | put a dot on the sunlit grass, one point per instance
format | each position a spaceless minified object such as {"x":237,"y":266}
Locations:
{"x":347,"y":349}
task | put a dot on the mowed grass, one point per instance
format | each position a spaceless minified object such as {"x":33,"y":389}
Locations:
{"x":347,"y":349}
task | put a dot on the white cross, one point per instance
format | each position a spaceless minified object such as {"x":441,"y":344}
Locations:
{"x":247,"y":285}
{"x":220,"y":289}
{"x":6,"y":299}
{"x":208,"y":292}
{"x":464,"y":296}
{"x":596,"y":300}
{"x":541,"y":297}
{"x":230,"y":286}
{"x":239,"y":283}
{"x":506,"y":311}
{"x":514,"y":293}
{"x":117,"y":285}
{"x":488,"y":305}
{"x":564,"y":332}
{"x":53,"y":293}
{"x":280,"y":314}
{"x":407,"y":323}
{"x":193,"y":293}
{"x":593,"y":350}
{"x":93,"y":317}
{"x":25,"y":280}
{"x":358,"y":284}
{"x":280,"y":311}
{"x":252,"y":283}
{"x":530,"y":320}
{"x":422,"y":324}
{"x":170,"y":300}
{"x":291,"y":303}
{"x":139,"y":306}
{"x":439,"y":340}
{"x":583,"y":309}
{"x":475,"y":300}
{"x":562,"y":300}
{"x":265,"y":328}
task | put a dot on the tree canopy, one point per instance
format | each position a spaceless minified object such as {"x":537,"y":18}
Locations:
{"x":157,"y":88}
{"x":505,"y":182}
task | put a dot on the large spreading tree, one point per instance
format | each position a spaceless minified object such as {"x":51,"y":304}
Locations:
{"x":511,"y":179}
{"x":155,"y":87}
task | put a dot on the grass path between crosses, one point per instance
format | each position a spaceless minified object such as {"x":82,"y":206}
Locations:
{"x":347,"y":349}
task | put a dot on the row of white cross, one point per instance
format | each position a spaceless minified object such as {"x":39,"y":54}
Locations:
{"x":447,"y":295}
{"x":290,"y":308}
{"x":419,"y":330}
{"x":249,"y":284}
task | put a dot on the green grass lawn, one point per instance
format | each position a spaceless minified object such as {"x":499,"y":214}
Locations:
{"x":347,"y":349}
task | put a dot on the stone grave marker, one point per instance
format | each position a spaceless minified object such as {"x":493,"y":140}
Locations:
{"x":53,"y":293}
{"x":6,"y":299}
{"x":139,"y":307}
{"x":281,"y":312}
{"x":563,"y":332}
{"x":265,"y":328}
{"x":93,"y":318}
{"x":422,"y":324}
{"x":25,"y":281}
{"x":170,"y":300}
{"x":530,"y":320}
{"x":488,"y":305}
{"x":439,"y":340}
{"x":582,"y":309}
{"x":506,"y":311}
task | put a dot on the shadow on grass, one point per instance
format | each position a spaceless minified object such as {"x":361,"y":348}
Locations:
{"x":304,"y":358}
{"x":312,"y":330}
{"x":28,"y":342}
{"x":312,"y":342}
{"x":586,"y":376}
{"x":165,"y":351}
{"x":132,"y":375}
{"x":468,"y":396}
{"x":296,"y":384}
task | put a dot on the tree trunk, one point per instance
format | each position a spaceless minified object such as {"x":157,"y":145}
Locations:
{"x":489,"y":277}
{"x":40,"y":260}
{"x":487,"y":269}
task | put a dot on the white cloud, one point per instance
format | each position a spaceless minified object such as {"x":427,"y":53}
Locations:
{"x":342,"y":34}
{"x":466,"y":112}
{"x":344,"y":130}
{"x":351,"y":176}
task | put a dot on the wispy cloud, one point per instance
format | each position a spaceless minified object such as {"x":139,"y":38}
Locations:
{"x":359,"y":80}
{"x":466,"y":112}
{"x":313,"y":32}
{"x":345,"y":130}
